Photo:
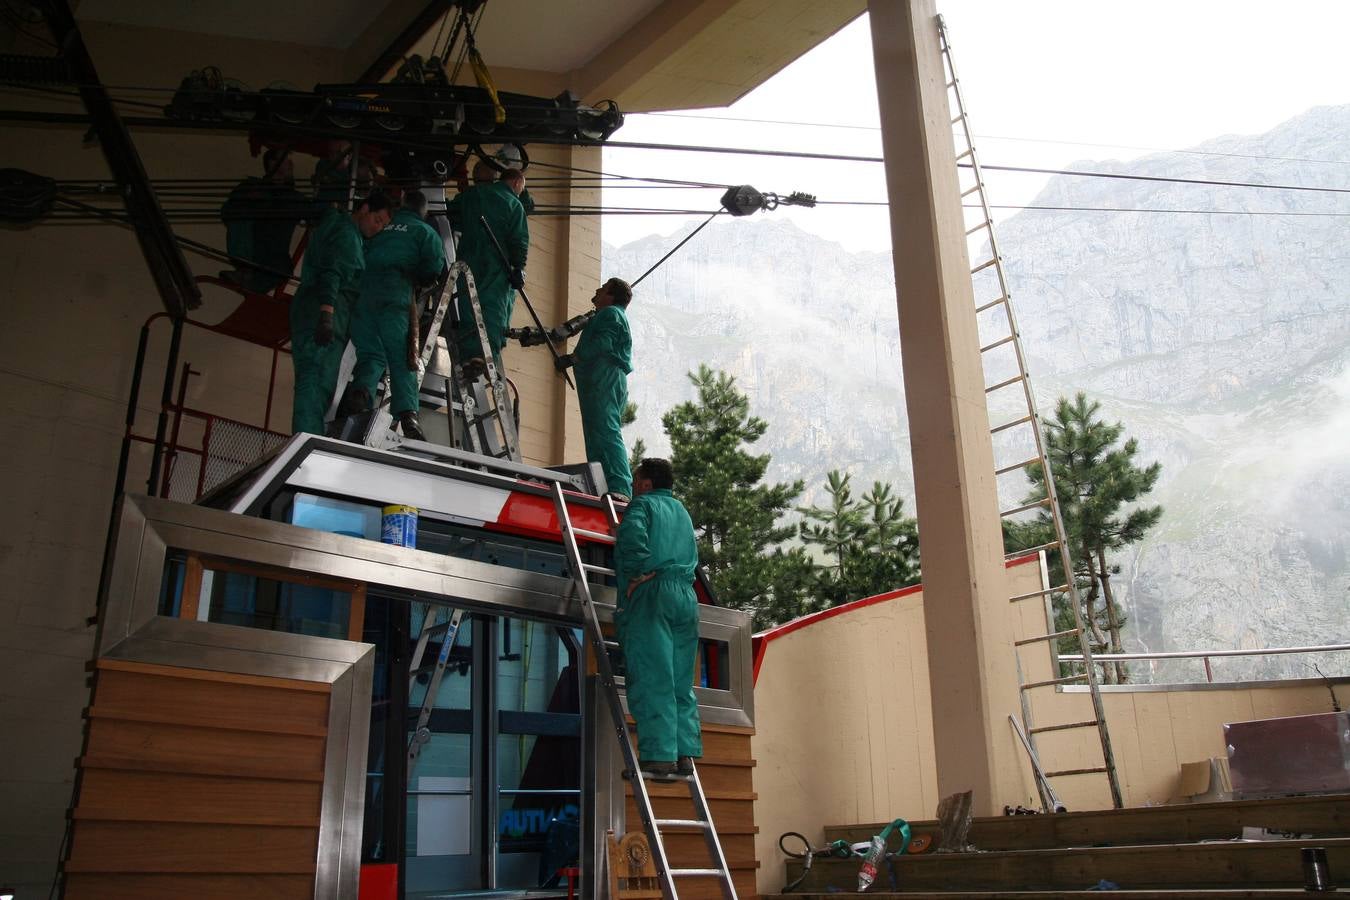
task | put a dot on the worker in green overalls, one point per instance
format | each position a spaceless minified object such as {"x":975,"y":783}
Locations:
{"x":406,"y":255}
{"x":655,"y":556}
{"x":321,"y":309}
{"x":260,"y":216}
{"x":604,"y":359}
{"x":497,"y":202}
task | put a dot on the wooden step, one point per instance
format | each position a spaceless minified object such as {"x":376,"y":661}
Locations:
{"x":1327,"y":816}
{"x":1251,"y":864}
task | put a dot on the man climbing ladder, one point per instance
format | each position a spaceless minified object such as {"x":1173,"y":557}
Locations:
{"x":655,"y":556}
{"x":406,"y":255}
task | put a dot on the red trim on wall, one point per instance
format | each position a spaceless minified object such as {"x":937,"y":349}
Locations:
{"x":761,"y":640}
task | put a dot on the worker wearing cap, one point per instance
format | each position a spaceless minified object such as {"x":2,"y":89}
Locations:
{"x":321,"y":309}
{"x":655,"y":557}
{"x":405,"y":255}
{"x":604,"y":358}
{"x":496,"y":280}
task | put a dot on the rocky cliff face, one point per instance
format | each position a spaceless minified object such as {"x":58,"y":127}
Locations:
{"x":1222,"y":342}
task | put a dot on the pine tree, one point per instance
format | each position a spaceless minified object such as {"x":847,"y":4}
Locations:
{"x":1094,"y":480}
{"x":873,"y":544}
{"x":834,"y":528}
{"x":735,"y":515}
{"x":886,"y":556}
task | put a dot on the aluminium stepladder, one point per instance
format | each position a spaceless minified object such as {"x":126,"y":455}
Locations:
{"x":600,"y":646}
{"x":487,"y":423}
{"x":479,"y":409}
{"x":448,"y":628}
{"x":1026,"y":420}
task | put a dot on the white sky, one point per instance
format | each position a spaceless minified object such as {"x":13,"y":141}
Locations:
{"x":1045,"y":81}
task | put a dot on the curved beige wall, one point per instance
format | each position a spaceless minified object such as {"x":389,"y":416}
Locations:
{"x":844,"y":723}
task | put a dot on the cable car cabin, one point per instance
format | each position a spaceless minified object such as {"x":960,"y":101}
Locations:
{"x":268,"y":718}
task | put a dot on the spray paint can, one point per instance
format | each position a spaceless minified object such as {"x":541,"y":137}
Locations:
{"x":398,"y":525}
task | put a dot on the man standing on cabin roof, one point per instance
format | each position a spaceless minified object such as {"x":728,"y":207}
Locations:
{"x":498,"y":203}
{"x":655,"y":556}
{"x":406,"y":255}
{"x":260,"y":216}
{"x":604,"y":358}
{"x":321,"y":309}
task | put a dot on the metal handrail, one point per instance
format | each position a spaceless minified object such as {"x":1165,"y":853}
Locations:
{"x":1201,"y":654}
{"x":1205,"y":655}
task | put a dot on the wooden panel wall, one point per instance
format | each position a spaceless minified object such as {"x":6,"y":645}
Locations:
{"x":198,"y":784}
{"x":727,"y":771}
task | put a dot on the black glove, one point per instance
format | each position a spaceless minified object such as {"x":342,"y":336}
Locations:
{"x":564,"y":361}
{"x":517,"y":278}
{"x":323,"y":331}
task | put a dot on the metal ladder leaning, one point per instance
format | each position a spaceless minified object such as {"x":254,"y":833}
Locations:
{"x":449,"y":628}
{"x":487,"y":422}
{"x":651,"y":825}
{"x":1028,"y":419}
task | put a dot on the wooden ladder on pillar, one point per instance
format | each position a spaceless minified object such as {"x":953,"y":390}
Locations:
{"x":999,"y":334}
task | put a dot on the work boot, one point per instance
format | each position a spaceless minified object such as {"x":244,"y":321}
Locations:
{"x":355,"y":401}
{"x":474,"y":368}
{"x":659,"y":770}
{"x":411,"y":428}
{"x":685,"y":765}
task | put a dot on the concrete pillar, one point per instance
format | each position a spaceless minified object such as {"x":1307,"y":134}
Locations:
{"x":971,"y":665}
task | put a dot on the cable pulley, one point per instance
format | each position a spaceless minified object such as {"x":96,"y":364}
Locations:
{"x":743,"y":200}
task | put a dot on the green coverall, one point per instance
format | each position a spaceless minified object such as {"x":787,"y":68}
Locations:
{"x":407,"y":254}
{"x":658,"y":625}
{"x":496,"y":202}
{"x":604,"y":356}
{"x":260,"y":218}
{"x":330,"y":275}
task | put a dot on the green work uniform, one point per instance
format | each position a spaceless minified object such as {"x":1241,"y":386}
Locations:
{"x":329,"y":276}
{"x":260,"y":218}
{"x":604,"y":356}
{"x":407,"y":254}
{"x":498,"y":204}
{"x":658,"y":625}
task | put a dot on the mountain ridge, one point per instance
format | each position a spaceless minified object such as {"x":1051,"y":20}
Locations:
{"x":1219,"y":340}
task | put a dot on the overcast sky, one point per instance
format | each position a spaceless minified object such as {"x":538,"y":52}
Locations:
{"x":1047,"y":82}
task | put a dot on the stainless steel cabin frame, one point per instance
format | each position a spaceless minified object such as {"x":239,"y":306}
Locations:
{"x":150,"y":529}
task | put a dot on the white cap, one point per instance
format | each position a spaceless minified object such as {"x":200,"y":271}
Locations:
{"x":508,"y":157}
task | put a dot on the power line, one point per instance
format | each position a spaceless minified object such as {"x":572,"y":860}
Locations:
{"x":799,"y":154}
{"x":1003,"y":137}
{"x":1128,"y":209}
{"x":841,"y":157}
